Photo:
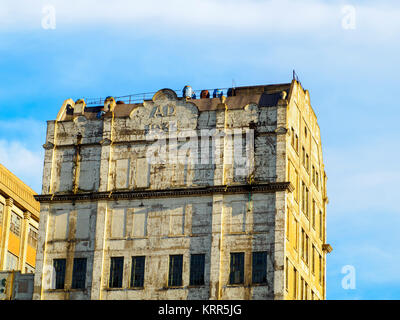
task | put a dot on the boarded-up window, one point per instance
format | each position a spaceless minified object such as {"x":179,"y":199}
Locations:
{"x":177,"y":221}
{"x":260,"y":221}
{"x":118,"y":223}
{"x":142,"y":173}
{"x":139,"y":228}
{"x":89,"y":169}
{"x":237,"y":216}
{"x":60,"y":225}
{"x":82,"y":224}
{"x":122,"y":168}
{"x":201,"y":218}
{"x":66,"y":172}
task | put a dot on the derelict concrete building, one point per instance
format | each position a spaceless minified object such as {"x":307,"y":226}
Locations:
{"x":219,"y":197}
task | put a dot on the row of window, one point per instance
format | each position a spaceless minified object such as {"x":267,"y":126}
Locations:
{"x":297,"y":291}
{"x":196,"y":278}
{"x":78,"y":273}
{"x":305,"y":196}
{"x":304,"y":243}
{"x":15,"y":227}
{"x":12,"y":263}
{"x":305,"y":209}
{"x":315,"y":256}
{"x":305,"y":158}
{"x":313,"y":223}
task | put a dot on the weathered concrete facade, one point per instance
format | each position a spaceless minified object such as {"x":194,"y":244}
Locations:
{"x":166,"y":177}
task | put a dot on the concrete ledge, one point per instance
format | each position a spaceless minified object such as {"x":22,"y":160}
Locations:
{"x":143,"y":194}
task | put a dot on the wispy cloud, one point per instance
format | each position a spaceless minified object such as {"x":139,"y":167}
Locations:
{"x":260,"y":17}
{"x":24,"y":163}
{"x":20,"y":149}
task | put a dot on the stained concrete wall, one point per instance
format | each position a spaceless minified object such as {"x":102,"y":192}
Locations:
{"x":86,"y":156}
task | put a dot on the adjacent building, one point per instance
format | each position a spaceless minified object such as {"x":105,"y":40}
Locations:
{"x":178,"y":197}
{"x":19,"y":222}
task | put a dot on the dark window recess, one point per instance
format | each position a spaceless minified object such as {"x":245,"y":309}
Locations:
{"x":59,"y":273}
{"x":116,"y":271}
{"x":236,"y":275}
{"x":137,"y":275}
{"x":197,"y":269}
{"x":259,"y":267}
{"x":175,"y":270}
{"x":79,"y":273}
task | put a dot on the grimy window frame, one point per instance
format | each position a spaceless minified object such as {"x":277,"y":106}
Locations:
{"x":116,"y":272}
{"x":79,"y":273}
{"x":15,"y":226}
{"x":259,"y":268}
{"x":197,"y":267}
{"x":138,"y":271}
{"x":175,"y":270}
{"x":59,"y":273}
{"x":236,"y":268}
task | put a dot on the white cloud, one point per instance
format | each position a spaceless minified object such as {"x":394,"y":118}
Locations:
{"x":21,"y":149}
{"x":300,"y":17}
{"x":24,"y":163}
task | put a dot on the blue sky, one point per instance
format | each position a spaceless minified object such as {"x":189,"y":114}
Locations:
{"x":101,"y":48}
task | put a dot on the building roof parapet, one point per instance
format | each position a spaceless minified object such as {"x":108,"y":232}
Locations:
{"x":11,"y":186}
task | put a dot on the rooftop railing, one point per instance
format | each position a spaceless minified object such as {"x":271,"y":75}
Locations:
{"x":140,"y":97}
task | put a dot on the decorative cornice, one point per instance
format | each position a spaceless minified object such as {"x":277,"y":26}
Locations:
{"x":9,"y":202}
{"x":21,"y":195}
{"x":166,"y":193}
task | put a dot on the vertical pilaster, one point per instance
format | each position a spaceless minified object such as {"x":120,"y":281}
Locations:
{"x":281,"y":137}
{"x":279,"y":245}
{"x":70,"y":251}
{"x":49,"y":155}
{"x":6,"y":232}
{"x":218,"y":145}
{"x":280,"y":200}
{"x":216,"y":254}
{"x":98,"y":275}
{"x":43,"y":269}
{"x":105,"y":160}
{"x":24,"y":241}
